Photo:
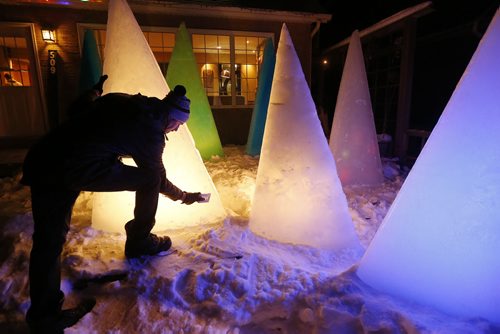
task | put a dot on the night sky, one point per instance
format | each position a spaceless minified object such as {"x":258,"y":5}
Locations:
{"x":348,"y":15}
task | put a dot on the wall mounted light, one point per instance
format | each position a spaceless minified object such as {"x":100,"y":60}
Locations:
{"x":49,"y":35}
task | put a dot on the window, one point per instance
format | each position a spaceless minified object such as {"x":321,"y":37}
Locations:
{"x":162,"y":44}
{"x":213,"y":56}
{"x":229,"y":66}
{"x":14,"y":61}
{"x":228,"y":62}
{"x":100,"y":38}
{"x":248,"y":58}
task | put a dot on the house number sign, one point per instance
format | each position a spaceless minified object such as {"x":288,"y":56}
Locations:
{"x":52,"y":61}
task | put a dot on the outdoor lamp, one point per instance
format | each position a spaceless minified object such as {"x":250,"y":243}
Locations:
{"x":49,"y":35}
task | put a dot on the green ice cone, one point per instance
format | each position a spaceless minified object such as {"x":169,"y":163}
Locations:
{"x":91,"y":68}
{"x":182,"y":70}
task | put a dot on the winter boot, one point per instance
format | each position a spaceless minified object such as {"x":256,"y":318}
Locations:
{"x":64,"y":319}
{"x":71,"y":316}
{"x":151,"y":245}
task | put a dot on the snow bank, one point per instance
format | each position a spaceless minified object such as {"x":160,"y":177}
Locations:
{"x":220,"y":277}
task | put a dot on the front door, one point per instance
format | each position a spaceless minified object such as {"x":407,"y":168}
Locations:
{"x":21,"y":110}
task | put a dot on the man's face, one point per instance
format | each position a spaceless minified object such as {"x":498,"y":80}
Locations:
{"x":172,"y":125}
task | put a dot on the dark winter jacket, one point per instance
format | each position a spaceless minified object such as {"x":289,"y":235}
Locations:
{"x":115,"y":125}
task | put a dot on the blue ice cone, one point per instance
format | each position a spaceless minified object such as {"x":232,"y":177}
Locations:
{"x":254,"y":142}
{"x":91,"y":68}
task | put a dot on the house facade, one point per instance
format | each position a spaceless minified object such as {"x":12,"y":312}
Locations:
{"x":40,"y":74}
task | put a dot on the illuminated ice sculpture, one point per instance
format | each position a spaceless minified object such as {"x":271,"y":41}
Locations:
{"x":298,"y":196}
{"x":440,"y":241}
{"x":132,"y":68}
{"x":182,"y":70}
{"x":353,"y":139}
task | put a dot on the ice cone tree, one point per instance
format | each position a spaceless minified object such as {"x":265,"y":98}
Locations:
{"x":439,"y":243}
{"x":256,"y":133}
{"x":90,"y":69}
{"x":298,"y":197}
{"x":353,"y":139}
{"x":132,"y":69}
{"x":182,"y":70}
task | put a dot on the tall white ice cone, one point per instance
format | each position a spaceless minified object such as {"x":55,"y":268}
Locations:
{"x":353,"y":140}
{"x":440,"y":241}
{"x":132,"y":68}
{"x":298,"y":196}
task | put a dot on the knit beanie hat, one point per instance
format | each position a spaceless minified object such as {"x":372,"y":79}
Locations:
{"x":179,"y":104}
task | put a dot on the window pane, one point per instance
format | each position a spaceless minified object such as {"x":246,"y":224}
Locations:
{"x":224,"y":42}
{"x":224,"y":56}
{"x":168,"y":40}
{"x":198,"y":41}
{"x":252,"y":58}
{"x":212,"y":56}
{"x":14,"y":62}
{"x":211,"y":41}
{"x":208,"y":77}
{"x":25,"y":78}
{"x":248,"y":55}
{"x":10,"y":42}
{"x":244,"y":86}
{"x":252,"y":71}
{"x":240,"y":57}
{"x":243,"y":70}
{"x":161,"y":51}
{"x":252,"y":90}
{"x":224,"y":73}
{"x":155,"y":39}
{"x":200,"y":56}
{"x":251,"y":43}
{"x":252,"y":85}
{"x":240,"y":43}
{"x":21,"y":42}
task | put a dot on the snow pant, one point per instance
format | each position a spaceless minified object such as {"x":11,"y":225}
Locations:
{"x":52,"y":207}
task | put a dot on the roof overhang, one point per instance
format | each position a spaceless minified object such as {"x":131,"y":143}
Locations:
{"x":204,"y":10}
{"x":388,"y":24}
{"x":185,"y":9}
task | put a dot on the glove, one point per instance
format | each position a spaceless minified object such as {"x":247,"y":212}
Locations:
{"x":190,"y":198}
{"x":100,"y":83}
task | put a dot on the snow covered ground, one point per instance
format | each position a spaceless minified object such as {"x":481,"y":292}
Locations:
{"x":220,"y":277}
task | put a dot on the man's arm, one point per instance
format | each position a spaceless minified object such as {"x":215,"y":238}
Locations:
{"x":168,"y":189}
{"x":149,"y":155}
{"x":83,"y":103}
{"x":150,"y":152}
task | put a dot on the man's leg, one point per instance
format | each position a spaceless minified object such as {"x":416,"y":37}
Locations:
{"x":144,"y":182}
{"x":51,"y":214}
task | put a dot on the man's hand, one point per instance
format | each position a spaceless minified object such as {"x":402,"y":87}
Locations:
{"x":190,"y":198}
